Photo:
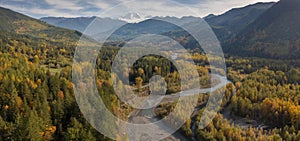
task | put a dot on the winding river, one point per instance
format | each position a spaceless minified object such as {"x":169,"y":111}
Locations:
{"x":148,"y":115}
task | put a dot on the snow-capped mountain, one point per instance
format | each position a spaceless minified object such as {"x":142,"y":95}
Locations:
{"x":134,"y":17}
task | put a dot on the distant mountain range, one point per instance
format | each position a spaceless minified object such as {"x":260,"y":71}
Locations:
{"x":81,"y":23}
{"x":78,"y":24}
{"x":225,"y":26}
{"x":134,"y":17}
{"x":268,"y":30}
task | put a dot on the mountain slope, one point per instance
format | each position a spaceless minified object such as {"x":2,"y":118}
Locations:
{"x":225,"y":26}
{"x":275,"y":34}
{"x":22,"y":34}
{"x":16,"y":23}
{"x":78,"y":24}
{"x":155,"y":25}
{"x":232,"y":22}
{"x":150,"y":26}
{"x":81,"y":23}
{"x":178,"y":21}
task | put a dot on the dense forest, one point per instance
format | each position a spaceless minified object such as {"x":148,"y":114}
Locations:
{"x":38,"y":103}
{"x":266,"y":99}
{"x":37,"y":100}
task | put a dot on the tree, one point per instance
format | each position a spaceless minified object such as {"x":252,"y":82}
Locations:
{"x":32,"y":126}
{"x":140,"y":71}
{"x":36,"y":59}
{"x":77,"y":132}
{"x":139,"y":82}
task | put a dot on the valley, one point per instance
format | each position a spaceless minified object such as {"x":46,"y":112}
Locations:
{"x":260,"y":84}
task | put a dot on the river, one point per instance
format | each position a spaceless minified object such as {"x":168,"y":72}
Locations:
{"x":148,"y":115}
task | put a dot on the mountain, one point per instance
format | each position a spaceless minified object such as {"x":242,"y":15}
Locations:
{"x":210,"y":16}
{"x":225,"y":26}
{"x":134,"y":17}
{"x":275,"y":34}
{"x":13,"y":23}
{"x":78,"y":24}
{"x":132,"y":30}
{"x":81,"y":23}
{"x":178,"y":21}
{"x":155,"y":25}
{"x":32,"y":37}
{"x":232,"y":22}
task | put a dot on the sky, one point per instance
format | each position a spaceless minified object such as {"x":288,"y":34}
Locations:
{"x":118,"y":8}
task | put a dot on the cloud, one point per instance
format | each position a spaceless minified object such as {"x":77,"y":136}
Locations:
{"x":221,"y":6}
{"x":179,"y":8}
{"x":188,"y":2}
{"x":65,"y":4}
{"x":38,"y":12}
{"x":76,"y":8}
{"x":104,"y":4}
{"x":18,"y":0}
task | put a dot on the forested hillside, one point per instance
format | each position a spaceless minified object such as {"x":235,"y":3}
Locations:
{"x":261,"y":100}
{"x":231,"y":23}
{"x":36,"y":100}
{"x":275,"y":34}
{"x":37,"y":40}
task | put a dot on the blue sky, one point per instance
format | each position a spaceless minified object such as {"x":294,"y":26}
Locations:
{"x":77,"y":8}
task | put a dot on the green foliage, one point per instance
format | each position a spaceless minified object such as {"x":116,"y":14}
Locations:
{"x":76,"y":132}
{"x":35,"y":104}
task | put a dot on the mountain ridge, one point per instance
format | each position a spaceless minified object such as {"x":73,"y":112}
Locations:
{"x":21,"y":32}
{"x":232,"y":22}
{"x":225,"y":25}
{"x":81,"y":23}
{"x":275,"y":34}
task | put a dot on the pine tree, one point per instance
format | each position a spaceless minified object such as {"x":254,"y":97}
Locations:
{"x":77,"y":132}
{"x":33,"y":126}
